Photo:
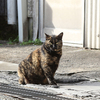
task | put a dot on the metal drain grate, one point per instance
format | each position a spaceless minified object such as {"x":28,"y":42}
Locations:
{"x":26,"y":93}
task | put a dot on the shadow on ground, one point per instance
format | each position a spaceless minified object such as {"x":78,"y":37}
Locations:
{"x":10,"y":77}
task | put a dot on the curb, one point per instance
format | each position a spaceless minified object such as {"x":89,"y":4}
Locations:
{"x":6,"y":66}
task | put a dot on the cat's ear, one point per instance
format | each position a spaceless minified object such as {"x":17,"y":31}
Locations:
{"x":60,"y":35}
{"x":47,"y":36}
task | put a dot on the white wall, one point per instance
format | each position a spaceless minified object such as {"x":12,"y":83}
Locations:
{"x":65,"y":16}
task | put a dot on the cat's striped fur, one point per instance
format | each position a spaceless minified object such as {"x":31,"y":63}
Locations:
{"x":40,"y":66}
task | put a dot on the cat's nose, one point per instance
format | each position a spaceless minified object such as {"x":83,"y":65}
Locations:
{"x":54,"y":47}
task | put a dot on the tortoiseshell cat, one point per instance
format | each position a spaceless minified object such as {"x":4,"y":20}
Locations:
{"x":40,"y":66}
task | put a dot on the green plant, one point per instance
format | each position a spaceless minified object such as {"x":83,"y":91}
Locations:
{"x":27,"y":43}
{"x":16,"y":40}
{"x":1,"y":44}
{"x":37,"y":42}
{"x":11,"y":41}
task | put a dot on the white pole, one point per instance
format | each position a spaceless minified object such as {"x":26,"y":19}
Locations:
{"x":11,"y":11}
{"x":22,"y":20}
{"x":41,"y":35}
{"x":35,"y":19}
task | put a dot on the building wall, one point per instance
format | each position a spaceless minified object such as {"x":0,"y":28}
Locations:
{"x":65,"y":16}
{"x":78,"y":19}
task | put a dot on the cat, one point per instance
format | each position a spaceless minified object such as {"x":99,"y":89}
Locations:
{"x":40,"y":66}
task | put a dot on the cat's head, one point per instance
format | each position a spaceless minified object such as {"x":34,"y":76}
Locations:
{"x":54,"y":43}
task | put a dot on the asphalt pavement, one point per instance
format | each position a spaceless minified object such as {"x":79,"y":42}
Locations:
{"x":81,"y":65}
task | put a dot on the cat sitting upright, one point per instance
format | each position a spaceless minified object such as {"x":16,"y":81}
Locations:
{"x":40,"y":66}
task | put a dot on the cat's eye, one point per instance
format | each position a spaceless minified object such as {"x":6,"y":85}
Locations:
{"x":57,"y":43}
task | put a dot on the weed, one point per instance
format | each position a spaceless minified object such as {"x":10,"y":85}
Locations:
{"x":16,"y":40}
{"x":37,"y":42}
{"x":11,"y":41}
{"x":1,"y":44}
{"x":27,"y":43}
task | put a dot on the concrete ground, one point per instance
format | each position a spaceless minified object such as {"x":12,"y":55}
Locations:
{"x":78,"y":75}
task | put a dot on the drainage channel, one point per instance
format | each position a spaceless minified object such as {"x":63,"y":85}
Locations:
{"x":27,"y":93}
